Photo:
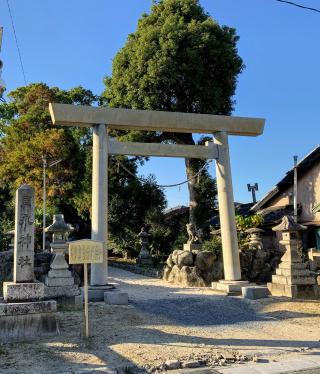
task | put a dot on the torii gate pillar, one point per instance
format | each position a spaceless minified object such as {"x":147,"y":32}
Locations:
{"x":231,"y":260}
{"x":99,"y":272}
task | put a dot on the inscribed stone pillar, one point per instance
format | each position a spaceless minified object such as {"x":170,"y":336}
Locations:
{"x":231,"y":259}
{"x":99,"y":272}
{"x":24,"y":235}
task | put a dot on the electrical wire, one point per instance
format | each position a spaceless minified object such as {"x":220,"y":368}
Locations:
{"x":166,"y":185}
{"x":17,"y":44}
{"x":299,"y":5}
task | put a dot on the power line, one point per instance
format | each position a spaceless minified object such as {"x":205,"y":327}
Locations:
{"x":165,"y":185}
{"x":17,"y":44}
{"x":299,"y":5}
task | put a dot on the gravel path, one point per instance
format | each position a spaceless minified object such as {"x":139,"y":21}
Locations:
{"x":166,"y":322}
{"x":274,"y":326}
{"x":183,"y":306}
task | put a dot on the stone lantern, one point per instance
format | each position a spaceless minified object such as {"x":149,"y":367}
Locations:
{"x":59,"y":274}
{"x":144,"y":257}
{"x":292,"y":278}
{"x":255,"y":238}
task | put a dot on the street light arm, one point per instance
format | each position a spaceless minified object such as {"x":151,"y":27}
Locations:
{"x":54,"y":163}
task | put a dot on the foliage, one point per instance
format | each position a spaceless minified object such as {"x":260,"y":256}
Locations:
{"x":27,"y":135}
{"x":213,"y":245}
{"x":132,"y":203}
{"x":6,"y":217}
{"x":178,"y":59}
{"x":247,"y":222}
{"x":159,"y":234}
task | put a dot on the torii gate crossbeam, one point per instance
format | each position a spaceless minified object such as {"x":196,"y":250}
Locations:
{"x":100,"y":119}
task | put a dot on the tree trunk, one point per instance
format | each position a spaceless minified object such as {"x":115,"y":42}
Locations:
{"x":191,"y":170}
{"x":193,"y":201}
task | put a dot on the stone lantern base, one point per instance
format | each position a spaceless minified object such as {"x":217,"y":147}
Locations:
{"x":144,"y":258}
{"x":293,"y":279}
{"x":59,"y":282}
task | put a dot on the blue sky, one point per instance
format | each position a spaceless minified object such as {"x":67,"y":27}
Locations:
{"x":71,"y":43}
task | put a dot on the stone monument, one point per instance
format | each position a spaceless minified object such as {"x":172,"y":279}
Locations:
{"x":23,"y":314}
{"x":59,"y":280}
{"x":292,"y":278}
{"x":144,"y":257}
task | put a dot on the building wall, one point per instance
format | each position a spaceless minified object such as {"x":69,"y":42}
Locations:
{"x":308,"y":194}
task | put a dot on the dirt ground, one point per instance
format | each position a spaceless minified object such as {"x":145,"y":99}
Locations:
{"x":165,"y":322}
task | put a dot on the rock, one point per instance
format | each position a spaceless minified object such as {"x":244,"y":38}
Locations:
{"x":172,"y":364}
{"x":185,"y":258}
{"x":187,"y":276}
{"x":261,"y":254}
{"x":204,"y":261}
{"x":170,"y":262}
{"x":173,"y":276}
{"x":166,"y":273}
{"x":190,"y":277}
{"x":174,"y":256}
{"x":228,"y":357}
{"x":190,"y":364}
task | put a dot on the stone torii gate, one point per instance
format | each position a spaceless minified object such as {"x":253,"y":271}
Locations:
{"x":100,"y":119}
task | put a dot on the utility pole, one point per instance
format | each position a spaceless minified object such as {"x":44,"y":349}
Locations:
{"x":1,"y":33}
{"x":295,"y":188}
{"x":45,"y":165}
{"x":2,"y":83}
{"x":44,"y":160}
{"x":253,"y":188}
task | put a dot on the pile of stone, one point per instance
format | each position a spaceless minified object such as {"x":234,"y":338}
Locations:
{"x":205,"y":360}
{"x":258,"y":264}
{"x":193,"y":268}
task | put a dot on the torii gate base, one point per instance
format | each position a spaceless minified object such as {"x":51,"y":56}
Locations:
{"x":220,"y":126}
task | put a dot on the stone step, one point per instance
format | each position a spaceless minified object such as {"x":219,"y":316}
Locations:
{"x":116,"y":298}
{"x":255,"y":292}
{"x":288,"y":272}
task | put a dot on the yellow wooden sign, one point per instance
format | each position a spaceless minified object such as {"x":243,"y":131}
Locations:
{"x":85,"y":251}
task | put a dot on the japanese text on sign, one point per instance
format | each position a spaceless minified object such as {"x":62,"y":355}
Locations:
{"x":85,"y":252}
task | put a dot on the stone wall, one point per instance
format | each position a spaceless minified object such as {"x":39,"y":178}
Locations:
{"x":192,"y":269}
{"x":41,"y":264}
{"x":6,"y":266}
{"x":258,"y":265}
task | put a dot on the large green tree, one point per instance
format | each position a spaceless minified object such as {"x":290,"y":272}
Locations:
{"x":28,"y":136}
{"x":178,"y":59}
